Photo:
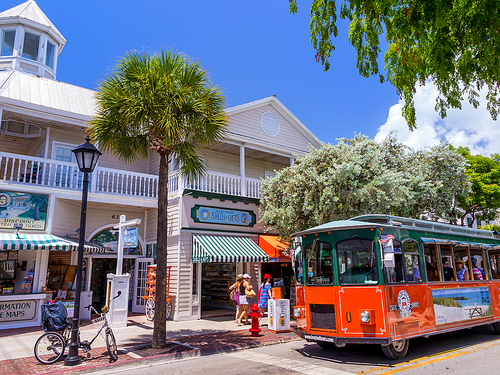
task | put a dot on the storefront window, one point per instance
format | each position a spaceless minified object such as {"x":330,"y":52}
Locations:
{"x":108,"y":238}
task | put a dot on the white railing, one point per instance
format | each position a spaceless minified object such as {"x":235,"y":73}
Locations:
{"x":59,"y":174}
{"x":52,"y":173}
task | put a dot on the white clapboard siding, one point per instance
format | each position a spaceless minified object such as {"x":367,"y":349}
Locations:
{"x":185,"y":281}
{"x":256,"y":168}
{"x":220,"y":161}
{"x":247,"y":123}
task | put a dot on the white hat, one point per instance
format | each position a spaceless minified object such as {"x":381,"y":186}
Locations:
{"x":246,"y":276}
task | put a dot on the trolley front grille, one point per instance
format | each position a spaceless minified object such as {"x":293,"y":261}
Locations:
{"x":322,"y":316}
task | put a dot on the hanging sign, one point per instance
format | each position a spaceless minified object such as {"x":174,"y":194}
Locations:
{"x":216,"y":215}
{"x":27,"y":209}
{"x":131,"y":237}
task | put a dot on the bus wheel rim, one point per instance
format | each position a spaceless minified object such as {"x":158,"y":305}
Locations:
{"x":398,"y":345}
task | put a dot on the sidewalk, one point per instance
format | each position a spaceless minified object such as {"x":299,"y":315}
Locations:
{"x":190,"y":338}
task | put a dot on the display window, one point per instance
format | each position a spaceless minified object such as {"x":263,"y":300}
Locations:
{"x":215,"y":281}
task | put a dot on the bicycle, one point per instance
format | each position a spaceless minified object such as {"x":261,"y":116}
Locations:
{"x":50,"y":347}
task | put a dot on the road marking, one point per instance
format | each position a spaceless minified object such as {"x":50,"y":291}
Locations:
{"x":288,"y":364}
{"x":424,"y":361}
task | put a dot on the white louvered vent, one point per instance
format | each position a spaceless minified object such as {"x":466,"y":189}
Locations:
{"x":270,"y":124}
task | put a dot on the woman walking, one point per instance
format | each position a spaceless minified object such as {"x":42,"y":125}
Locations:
{"x":236,"y":287}
{"x":265,"y":293}
{"x":244,"y":302}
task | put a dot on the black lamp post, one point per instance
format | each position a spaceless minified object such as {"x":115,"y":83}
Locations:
{"x":86,"y":157}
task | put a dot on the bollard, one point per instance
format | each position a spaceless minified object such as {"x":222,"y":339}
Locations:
{"x":255,"y":315}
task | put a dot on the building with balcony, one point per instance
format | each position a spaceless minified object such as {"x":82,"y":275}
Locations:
{"x":213,"y":227}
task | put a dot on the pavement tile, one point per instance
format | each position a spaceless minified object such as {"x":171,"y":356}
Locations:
{"x":196,"y":345}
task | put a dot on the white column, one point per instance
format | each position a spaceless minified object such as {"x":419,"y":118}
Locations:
{"x":292,"y":160}
{"x":119,"y":258}
{"x":242,"y":171}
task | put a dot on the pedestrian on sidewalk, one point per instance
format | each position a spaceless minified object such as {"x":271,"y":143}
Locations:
{"x":236,"y":287}
{"x":244,"y":301}
{"x":265,"y":293}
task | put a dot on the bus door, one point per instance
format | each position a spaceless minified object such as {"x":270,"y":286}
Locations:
{"x":360,"y":298}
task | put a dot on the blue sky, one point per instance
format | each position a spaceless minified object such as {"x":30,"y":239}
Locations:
{"x":252,"y":49}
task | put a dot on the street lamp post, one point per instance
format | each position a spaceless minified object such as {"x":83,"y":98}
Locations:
{"x":86,"y":157}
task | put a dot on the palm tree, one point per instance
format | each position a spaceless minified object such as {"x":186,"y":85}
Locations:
{"x":163,"y":102}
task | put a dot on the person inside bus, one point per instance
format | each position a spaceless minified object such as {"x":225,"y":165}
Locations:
{"x":447,"y":270}
{"x":462,"y":271}
{"x":476,"y":272}
{"x":432,"y":271}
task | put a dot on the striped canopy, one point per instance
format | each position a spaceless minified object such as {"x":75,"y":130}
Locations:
{"x":25,"y":241}
{"x":222,"y":249}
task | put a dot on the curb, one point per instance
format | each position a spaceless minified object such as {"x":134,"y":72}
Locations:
{"x":197,"y":352}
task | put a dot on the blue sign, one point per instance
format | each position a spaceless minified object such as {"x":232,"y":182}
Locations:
{"x":131,"y":237}
{"x":215,"y":215}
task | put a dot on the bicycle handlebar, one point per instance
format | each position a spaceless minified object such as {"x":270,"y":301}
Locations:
{"x":118,"y":294}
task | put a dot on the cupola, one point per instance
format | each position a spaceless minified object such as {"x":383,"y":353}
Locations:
{"x":30,"y":42}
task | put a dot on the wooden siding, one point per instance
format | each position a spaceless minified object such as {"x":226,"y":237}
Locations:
{"x":154,"y":162}
{"x":185,"y":279}
{"x":67,"y":217}
{"x":173,"y":221}
{"x":255,"y":168}
{"x":247,"y":123}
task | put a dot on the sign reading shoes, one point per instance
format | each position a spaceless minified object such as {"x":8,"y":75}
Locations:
{"x":216,"y":215}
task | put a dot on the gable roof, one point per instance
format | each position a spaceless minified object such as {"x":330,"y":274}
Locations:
{"x":30,"y":14}
{"x":284,"y":111}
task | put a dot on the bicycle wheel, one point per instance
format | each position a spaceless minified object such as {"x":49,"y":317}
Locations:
{"x":168,"y":311}
{"x":111,"y":345}
{"x":49,"y":347}
{"x":150,"y":309}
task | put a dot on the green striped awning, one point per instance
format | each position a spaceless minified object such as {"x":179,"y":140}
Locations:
{"x":25,"y":241}
{"x":221,"y":249}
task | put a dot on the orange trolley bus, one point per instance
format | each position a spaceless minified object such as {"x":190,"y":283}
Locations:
{"x":380,"y":279}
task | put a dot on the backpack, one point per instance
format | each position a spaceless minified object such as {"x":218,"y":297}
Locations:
{"x":54,"y":317}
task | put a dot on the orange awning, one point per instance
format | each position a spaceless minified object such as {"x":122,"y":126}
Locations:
{"x":271,"y":246}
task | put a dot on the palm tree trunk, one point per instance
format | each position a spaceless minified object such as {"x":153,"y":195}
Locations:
{"x":160,"y":326}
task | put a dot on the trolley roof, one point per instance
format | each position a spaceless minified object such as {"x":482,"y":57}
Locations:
{"x":372,"y":221}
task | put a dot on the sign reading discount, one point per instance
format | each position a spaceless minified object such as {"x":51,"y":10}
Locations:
{"x":17,"y":310}
{"x":216,"y":215}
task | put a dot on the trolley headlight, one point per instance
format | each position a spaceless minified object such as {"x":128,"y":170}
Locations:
{"x":296,"y":312}
{"x":364,"y":316}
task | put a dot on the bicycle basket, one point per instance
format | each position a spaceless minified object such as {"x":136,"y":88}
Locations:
{"x":54,"y":317}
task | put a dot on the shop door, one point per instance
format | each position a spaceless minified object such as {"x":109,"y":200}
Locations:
{"x":140,"y":276}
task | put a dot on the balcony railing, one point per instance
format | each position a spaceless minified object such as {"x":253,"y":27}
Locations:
{"x":58,"y":174}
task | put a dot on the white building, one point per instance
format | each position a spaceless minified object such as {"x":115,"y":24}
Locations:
{"x":42,"y":120}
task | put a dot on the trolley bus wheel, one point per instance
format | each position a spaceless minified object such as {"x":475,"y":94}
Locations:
{"x":168,"y":311}
{"x":496,"y":327}
{"x":396,"y":349}
{"x":150,"y":309}
{"x":325,"y":345}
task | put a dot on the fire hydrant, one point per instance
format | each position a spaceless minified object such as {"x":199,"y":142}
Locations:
{"x":255,"y":315}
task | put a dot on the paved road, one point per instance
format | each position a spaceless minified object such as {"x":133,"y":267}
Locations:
{"x":474,"y":351}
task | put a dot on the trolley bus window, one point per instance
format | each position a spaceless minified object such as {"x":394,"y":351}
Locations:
{"x":412,"y":261}
{"x":448,"y":270}
{"x":431,"y":262}
{"x":461,"y":254}
{"x":394,"y":271}
{"x":319,"y":263}
{"x":494,"y":256}
{"x":478,"y":270}
{"x":357,"y":261}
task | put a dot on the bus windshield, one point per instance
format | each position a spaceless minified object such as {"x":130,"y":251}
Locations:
{"x":319,"y":263}
{"x":357,"y":261}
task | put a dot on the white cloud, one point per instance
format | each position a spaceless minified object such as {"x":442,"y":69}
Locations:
{"x":468,"y":127}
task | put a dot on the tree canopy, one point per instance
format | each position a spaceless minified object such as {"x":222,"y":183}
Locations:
{"x":358,"y":176}
{"x":166,"y":103}
{"x":453,"y":43}
{"x":484,"y":175}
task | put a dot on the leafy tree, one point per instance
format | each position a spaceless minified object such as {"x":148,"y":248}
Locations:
{"x":358,"y":176}
{"x":484,"y":174}
{"x":163,"y":102}
{"x":453,"y":43}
